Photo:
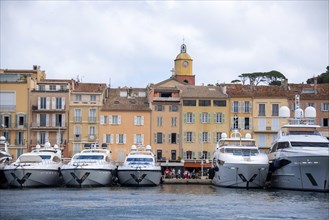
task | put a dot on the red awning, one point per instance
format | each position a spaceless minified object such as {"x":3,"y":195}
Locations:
{"x":196,"y":165}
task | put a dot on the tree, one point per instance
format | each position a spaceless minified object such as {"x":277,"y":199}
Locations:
{"x":321,"y":79}
{"x":270,"y":78}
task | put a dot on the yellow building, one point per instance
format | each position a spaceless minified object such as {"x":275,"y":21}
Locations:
{"x":49,"y":113}
{"x":15,"y":106}
{"x":86,"y":100}
{"x":125,"y":121}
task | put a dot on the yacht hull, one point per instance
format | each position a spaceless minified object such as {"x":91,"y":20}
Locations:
{"x":22,"y":177}
{"x":139,"y":177}
{"x":302,"y":173}
{"x":87,"y":177}
{"x":241,"y":175}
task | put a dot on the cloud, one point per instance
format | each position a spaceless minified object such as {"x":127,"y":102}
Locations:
{"x":135,"y":43}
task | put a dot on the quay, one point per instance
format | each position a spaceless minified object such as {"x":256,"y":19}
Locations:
{"x":188,"y":181}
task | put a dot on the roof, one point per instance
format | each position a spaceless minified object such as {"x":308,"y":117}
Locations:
{"x":89,"y":87}
{"x":190,"y":91}
{"x":133,"y":101}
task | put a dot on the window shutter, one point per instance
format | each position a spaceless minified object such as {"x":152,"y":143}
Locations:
{"x":208,"y":121}
{"x":48,"y":103}
{"x":142,"y":137}
{"x":142,"y":120}
{"x":200,"y":137}
{"x":135,"y":140}
{"x":54,"y":120}
{"x":104,"y":138}
{"x":232,"y":106}
{"x":119,"y":119}
{"x":24,"y":121}
{"x":53,"y":104}
{"x":111,"y":119}
{"x":193,"y":117}
{"x":243,"y":106}
{"x":38,"y":137}
{"x":16,"y":121}
{"x":63,"y":102}
{"x":223,"y":118}
{"x":185,"y":136}
{"x":124,"y":138}
{"x":111,"y":138}
{"x":184,"y":155}
{"x":47,"y":120}
{"x":250,"y":107}
{"x":193,"y":136}
{"x":200,"y":117}
{"x":163,"y":138}
{"x":47,"y":137}
{"x":101,"y":120}
{"x":193,"y":155}
{"x":209,"y":137}
{"x":243,"y":123}
{"x":117,"y":138}
{"x":38,"y":119}
{"x":185,"y":117}
{"x":155,"y":138}
{"x":232,"y":122}
{"x":169,"y":138}
{"x":135,"y":121}
{"x":63,"y":120}
{"x":239,"y":107}
{"x":39,"y":102}
{"x":200,"y":154}
{"x":250,"y":123}
{"x":177,"y":138}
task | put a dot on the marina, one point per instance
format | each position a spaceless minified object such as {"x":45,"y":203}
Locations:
{"x":161,"y":202}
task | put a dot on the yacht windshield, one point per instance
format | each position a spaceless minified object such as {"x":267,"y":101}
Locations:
{"x":139,"y":160}
{"x":242,"y":152}
{"x":310,"y":144}
{"x":89,"y":157}
{"x":45,"y":157}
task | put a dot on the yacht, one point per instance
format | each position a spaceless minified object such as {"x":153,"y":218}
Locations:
{"x":39,"y":168}
{"x":237,"y":162}
{"x":90,"y":167}
{"x":5,"y":159}
{"x":299,"y":157}
{"x":140,"y":168}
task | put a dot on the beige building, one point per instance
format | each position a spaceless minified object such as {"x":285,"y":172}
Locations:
{"x":86,"y":100}
{"x":15,"y":106}
{"x":125,"y":121}
{"x":49,"y":113}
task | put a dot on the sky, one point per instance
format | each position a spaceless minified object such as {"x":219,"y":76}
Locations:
{"x":134,"y":43}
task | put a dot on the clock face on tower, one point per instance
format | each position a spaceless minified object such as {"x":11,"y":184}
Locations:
{"x":185,"y":63}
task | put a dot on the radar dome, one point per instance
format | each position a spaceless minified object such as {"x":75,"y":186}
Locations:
{"x":37,"y":146}
{"x":310,"y":112}
{"x":148,"y":148}
{"x":248,"y":136}
{"x":284,"y":112}
{"x":224,"y":135}
{"x":299,"y":113}
{"x":133,"y":148}
{"x":56,"y":146}
{"x":2,"y":139}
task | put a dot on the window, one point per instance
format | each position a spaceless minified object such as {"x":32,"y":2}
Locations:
{"x":77,"y":132}
{"x":165,"y":94}
{"x":204,"y":102}
{"x":261,"y":124}
{"x":173,"y":138}
{"x":235,"y":122}
{"x":235,"y":106}
{"x":42,"y":87}
{"x":246,"y":107}
{"x":159,"y":154}
{"x":103,"y":119}
{"x":77,"y":115}
{"x":42,"y":138}
{"x":188,"y":136}
{"x":159,"y":138}
{"x":173,"y":121}
{"x":261,"y":110}
{"x":58,"y":120}
{"x":189,"y":102}
{"x":189,"y":155}
{"x":92,"y":131}
{"x":204,"y":137}
{"x":43,"y":120}
{"x":52,"y":87}
{"x":159,"y":108}
{"x":324,"y":122}
{"x":43,"y":103}
{"x":173,"y":108}
{"x":7,"y":121}
{"x":63,"y":87}
{"x":204,"y":117}
{"x":218,"y":118}
{"x":115,"y":119}
{"x":93,"y":98}
{"x":246,"y":123}
{"x":203,"y":155}
{"x":19,"y":138}
{"x":275,"y":124}
{"x":59,"y":104}
{"x":159,"y":121}
{"x":173,"y":154}
{"x":189,"y":117}
{"x":92,"y":115}
{"x":324,"y":107}
{"x":21,"y":120}
{"x":219,"y":103}
{"x":261,"y":139}
{"x":78,"y":98}
{"x":139,"y":139}
{"x":139,"y":120}
{"x":275,"y":109}
{"x":218,"y":136}
{"x":8,"y":101}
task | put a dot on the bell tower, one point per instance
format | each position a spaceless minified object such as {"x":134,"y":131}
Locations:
{"x":183,"y":67}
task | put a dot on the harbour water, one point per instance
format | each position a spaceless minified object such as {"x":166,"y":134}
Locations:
{"x":162,"y":202}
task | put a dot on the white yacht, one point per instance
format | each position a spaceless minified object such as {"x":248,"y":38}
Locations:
{"x":140,"y":168}
{"x":90,"y":167}
{"x":40,"y":167}
{"x":5,"y":159}
{"x":299,"y":158}
{"x":237,"y":162}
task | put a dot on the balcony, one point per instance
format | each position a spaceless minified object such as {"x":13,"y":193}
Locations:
{"x":77,"y":119}
{"x":92,"y":119}
{"x":40,"y":126}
